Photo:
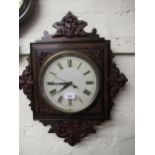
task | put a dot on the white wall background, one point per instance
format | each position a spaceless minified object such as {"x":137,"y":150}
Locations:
{"x":114,"y":20}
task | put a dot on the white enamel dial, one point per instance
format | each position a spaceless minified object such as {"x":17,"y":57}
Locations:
{"x":69,"y":81}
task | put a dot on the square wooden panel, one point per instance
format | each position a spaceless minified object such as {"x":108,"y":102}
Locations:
{"x":96,"y":50}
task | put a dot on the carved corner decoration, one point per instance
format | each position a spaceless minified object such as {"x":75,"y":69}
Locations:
{"x":25,"y":82}
{"x":72,"y":130}
{"x":117,"y":80}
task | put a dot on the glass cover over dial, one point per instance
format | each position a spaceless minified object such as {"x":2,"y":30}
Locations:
{"x":69,"y":81}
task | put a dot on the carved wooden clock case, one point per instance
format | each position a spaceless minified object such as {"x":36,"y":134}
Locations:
{"x":70,"y":36}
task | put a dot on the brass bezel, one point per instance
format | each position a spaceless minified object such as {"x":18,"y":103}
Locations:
{"x":58,"y":55}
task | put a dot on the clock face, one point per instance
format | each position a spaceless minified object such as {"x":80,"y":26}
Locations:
{"x":69,"y":81}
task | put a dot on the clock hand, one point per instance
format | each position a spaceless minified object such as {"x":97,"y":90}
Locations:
{"x":65,"y":86}
{"x":58,"y":77}
{"x":74,"y":86}
{"x":58,"y":83}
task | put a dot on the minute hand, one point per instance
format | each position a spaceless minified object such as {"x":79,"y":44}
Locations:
{"x":58,"y":83}
{"x":65,"y":86}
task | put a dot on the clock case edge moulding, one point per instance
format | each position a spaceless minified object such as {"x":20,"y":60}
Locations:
{"x":70,"y":29}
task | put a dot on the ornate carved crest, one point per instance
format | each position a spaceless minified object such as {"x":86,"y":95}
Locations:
{"x":70,"y":27}
{"x":71,"y":130}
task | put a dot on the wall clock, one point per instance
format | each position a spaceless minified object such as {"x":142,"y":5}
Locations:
{"x":71,"y":80}
{"x":25,"y":10}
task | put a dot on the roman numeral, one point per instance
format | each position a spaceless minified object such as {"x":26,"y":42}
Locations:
{"x":53,"y":92}
{"x":80,"y":99}
{"x":79,"y":65}
{"x":60,"y":99}
{"x":69,"y":62}
{"x":70,"y":101}
{"x":53,"y":73}
{"x":86,"y":73}
{"x":59,"y":65}
{"x":89,"y":82}
{"x":87,"y":92}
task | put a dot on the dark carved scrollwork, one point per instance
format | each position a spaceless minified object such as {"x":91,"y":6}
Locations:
{"x":25,"y":82}
{"x":70,"y":27}
{"x":71,"y":130}
{"x":117,"y":80}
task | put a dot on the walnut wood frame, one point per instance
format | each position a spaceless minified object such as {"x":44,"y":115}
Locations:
{"x":70,"y":35}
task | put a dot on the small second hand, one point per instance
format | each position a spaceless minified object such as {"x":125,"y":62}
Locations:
{"x":62,"y":79}
{"x":58,"y":77}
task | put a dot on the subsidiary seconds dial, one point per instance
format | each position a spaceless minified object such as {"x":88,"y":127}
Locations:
{"x":69,"y":81}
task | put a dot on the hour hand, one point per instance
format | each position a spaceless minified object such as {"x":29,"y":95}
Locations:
{"x":62,"y":83}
